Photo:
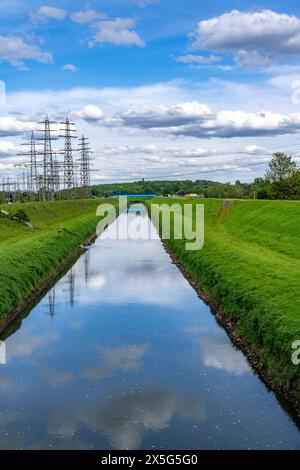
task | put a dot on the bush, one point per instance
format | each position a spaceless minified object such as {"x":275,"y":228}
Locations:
{"x":21,"y":215}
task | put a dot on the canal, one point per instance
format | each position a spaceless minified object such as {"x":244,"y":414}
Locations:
{"x":122,"y":354}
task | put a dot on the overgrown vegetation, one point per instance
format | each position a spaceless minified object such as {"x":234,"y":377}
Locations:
{"x":29,"y":256}
{"x":250,"y":265}
{"x":21,"y":215}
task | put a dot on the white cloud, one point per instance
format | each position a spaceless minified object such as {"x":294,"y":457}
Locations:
{"x":256,"y":38}
{"x":14,"y":51}
{"x":8,"y":148}
{"x":218,"y":95}
{"x":52,"y":13}
{"x":165,"y":116}
{"x":10,"y":126}
{"x":159,"y":151}
{"x":197,"y":59}
{"x":197,"y":120}
{"x":129,"y":149}
{"x":253,"y":59}
{"x":118,"y":31}
{"x":254,"y":149}
{"x":69,"y":67}
{"x":87,"y":16}
{"x":90,"y":113}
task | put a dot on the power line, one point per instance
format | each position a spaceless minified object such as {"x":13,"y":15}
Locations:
{"x":42,"y":178}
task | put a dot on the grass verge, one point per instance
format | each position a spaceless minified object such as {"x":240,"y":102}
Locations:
{"x":29,"y":256}
{"x":250,"y":267}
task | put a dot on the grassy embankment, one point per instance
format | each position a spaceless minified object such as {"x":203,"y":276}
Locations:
{"x":29,"y":256}
{"x":250,"y":267}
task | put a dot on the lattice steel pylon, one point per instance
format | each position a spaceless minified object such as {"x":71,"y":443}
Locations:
{"x":33,"y":165}
{"x":32,"y":177}
{"x":48,"y":161}
{"x":69,"y":173}
{"x":85,"y":165}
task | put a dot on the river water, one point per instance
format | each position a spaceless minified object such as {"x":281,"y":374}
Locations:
{"x":122,"y":354}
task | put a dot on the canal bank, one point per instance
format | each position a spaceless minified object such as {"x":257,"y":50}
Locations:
{"x":122,"y":354}
{"x":32,"y":258}
{"x":248,"y":272}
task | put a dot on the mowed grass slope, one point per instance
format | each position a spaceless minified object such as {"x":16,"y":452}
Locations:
{"x":29,"y":256}
{"x":250,"y":266}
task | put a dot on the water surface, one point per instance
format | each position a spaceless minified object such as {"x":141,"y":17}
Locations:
{"x":122,"y":354}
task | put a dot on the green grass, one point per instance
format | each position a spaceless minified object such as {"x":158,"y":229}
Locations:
{"x":250,"y":265}
{"x":29,"y":256}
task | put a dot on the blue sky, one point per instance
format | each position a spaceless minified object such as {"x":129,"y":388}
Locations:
{"x":162,"y":88}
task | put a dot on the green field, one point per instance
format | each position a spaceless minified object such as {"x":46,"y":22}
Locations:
{"x":28,"y":256}
{"x":250,"y":266}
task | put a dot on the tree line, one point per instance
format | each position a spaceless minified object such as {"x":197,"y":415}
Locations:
{"x":281,"y":181}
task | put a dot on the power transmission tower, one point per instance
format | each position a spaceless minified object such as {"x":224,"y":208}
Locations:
{"x":33,"y":164}
{"x":71,"y":282}
{"x":85,"y":165}
{"x":32,"y":176}
{"x":69,"y":173}
{"x":43,"y":178}
{"x":56,"y":174}
{"x":9,"y":189}
{"x":48,"y":189}
{"x":51,"y":303}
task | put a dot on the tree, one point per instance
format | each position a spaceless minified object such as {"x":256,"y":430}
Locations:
{"x":281,"y":168}
{"x":294,"y":182}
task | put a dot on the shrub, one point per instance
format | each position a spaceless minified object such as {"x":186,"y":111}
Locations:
{"x":21,"y":215}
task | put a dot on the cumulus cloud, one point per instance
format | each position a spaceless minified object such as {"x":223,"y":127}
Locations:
{"x":253,"y":59}
{"x":253,"y":149}
{"x":69,"y":67}
{"x":165,"y":116}
{"x":255,"y":38}
{"x":118,"y":31}
{"x":89,"y":113}
{"x":14,"y":51}
{"x":8,"y":148}
{"x":115,"y":101}
{"x":198,"y":59}
{"x":197,"y":120}
{"x":10,"y":126}
{"x":87,"y":16}
{"x":51,"y":13}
